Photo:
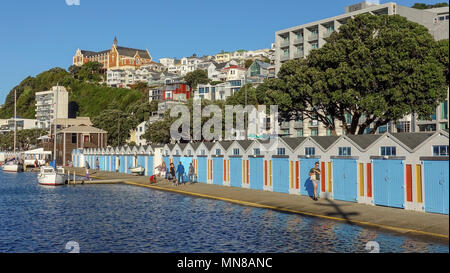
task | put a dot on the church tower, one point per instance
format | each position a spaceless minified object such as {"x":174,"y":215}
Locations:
{"x":115,"y":41}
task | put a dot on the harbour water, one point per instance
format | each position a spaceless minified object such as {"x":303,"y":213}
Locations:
{"x":122,"y":218}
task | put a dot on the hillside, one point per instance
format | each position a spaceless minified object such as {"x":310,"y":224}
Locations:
{"x":86,"y":97}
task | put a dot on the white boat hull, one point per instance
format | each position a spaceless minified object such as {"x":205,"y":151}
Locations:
{"x":137,"y":170}
{"x":14,"y":168}
{"x":54,"y":179}
{"x":49,"y":177}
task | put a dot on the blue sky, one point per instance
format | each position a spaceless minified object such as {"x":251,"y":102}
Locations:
{"x":38,"y":35}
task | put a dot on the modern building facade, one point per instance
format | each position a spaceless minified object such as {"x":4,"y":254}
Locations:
{"x":297,"y":42}
{"x":46,"y":104}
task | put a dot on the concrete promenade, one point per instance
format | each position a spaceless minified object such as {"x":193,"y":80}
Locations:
{"x":412,"y":223}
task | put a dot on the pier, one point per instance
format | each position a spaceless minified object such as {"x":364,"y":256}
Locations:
{"x":405,"y":222}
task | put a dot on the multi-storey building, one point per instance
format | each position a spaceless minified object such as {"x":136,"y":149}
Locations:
{"x":114,"y":58}
{"x":7,"y":125}
{"x":297,"y":42}
{"x":47,"y":101}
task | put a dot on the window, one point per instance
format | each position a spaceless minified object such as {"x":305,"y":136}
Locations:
{"x":203,"y":152}
{"x":177,"y":152}
{"x":167,"y":152}
{"x":300,"y":132}
{"x":236,"y":151}
{"x":74,"y":138}
{"x":189,"y":152}
{"x":314,"y":131}
{"x":388,"y":151}
{"x":281,"y":151}
{"x":86,"y":138}
{"x":256,"y":151}
{"x":345,"y":151}
{"x":310,"y":151}
{"x":444,"y":113}
{"x":440,"y":150}
{"x":217,"y":151}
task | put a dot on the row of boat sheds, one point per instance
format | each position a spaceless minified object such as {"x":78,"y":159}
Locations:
{"x":401,"y":170}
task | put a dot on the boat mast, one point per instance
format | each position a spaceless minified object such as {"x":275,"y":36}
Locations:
{"x":55,"y":120}
{"x":15,"y":113}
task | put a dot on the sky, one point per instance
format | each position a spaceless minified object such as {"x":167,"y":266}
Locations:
{"x":38,"y":35}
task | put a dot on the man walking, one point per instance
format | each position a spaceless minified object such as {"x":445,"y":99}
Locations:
{"x":180,"y":172}
{"x":97,"y":164}
{"x":87,"y":171}
{"x":314,"y":173}
{"x":191,"y":173}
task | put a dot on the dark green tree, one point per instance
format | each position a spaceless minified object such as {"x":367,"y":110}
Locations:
{"x":195,"y":78}
{"x":117,"y":123}
{"x":376,"y":69}
{"x":426,"y":6}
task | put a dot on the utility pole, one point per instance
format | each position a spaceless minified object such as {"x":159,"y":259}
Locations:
{"x":118,"y":131}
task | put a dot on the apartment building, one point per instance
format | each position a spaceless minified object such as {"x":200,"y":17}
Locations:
{"x":297,"y":42}
{"x":46,"y":104}
{"x":7,"y":125}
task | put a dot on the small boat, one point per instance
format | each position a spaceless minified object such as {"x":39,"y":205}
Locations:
{"x":49,"y":177}
{"x":13,"y":167}
{"x":137,"y":170}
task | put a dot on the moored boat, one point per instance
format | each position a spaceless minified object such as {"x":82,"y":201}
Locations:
{"x":49,"y":177}
{"x":13,"y":167}
{"x":137,"y":170}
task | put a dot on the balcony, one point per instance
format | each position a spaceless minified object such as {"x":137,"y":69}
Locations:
{"x":298,"y":124}
{"x":284,"y":57}
{"x":313,"y":36}
{"x":299,"y":54}
{"x":284,"y":43}
{"x":298,"y":40}
{"x":314,"y":123}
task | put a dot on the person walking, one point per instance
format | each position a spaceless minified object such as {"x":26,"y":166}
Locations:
{"x":314,"y":173}
{"x":172,"y":174}
{"x":191,"y":173}
{"x":180,"y":172}
{"x":97,"y":164}
{"x":87,"y":166}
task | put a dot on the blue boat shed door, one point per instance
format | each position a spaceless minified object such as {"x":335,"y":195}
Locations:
{"x":236,"y":172}
{"x":436,"y":178}
{"x":256,"y":173}
{"x":201,"y":169}
{"x":280,"y":174}
{"x":218,"y":170}
{"x":306,"y":186}
{"x":388,"y":180}
{"x":345,"y":185}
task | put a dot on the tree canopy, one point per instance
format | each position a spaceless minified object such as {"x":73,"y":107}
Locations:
{"x":376,"y":69}
{"x":427,"y":6}
{"x":195,"y":78}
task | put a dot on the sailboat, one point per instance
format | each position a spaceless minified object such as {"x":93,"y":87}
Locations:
{"x":48,"y":175}
{"x":13,"y":165}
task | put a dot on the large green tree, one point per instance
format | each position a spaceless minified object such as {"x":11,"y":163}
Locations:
{"x":376,"y":69}
{"x":25,"y":139}
{"x":117,"y":123}
{"x":195,"y":78}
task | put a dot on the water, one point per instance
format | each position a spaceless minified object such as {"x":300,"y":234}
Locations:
{"x":121,"y":218}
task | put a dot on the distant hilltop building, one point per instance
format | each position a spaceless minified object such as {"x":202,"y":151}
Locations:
{"x":117,"y":57}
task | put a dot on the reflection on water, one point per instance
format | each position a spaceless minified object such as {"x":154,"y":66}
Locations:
{"x":120,"y":218}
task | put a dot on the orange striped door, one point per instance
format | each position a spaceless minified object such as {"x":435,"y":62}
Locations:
{"x":409,"y":183}
{"x":322,"y":176}
{"x":369,"y":179}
